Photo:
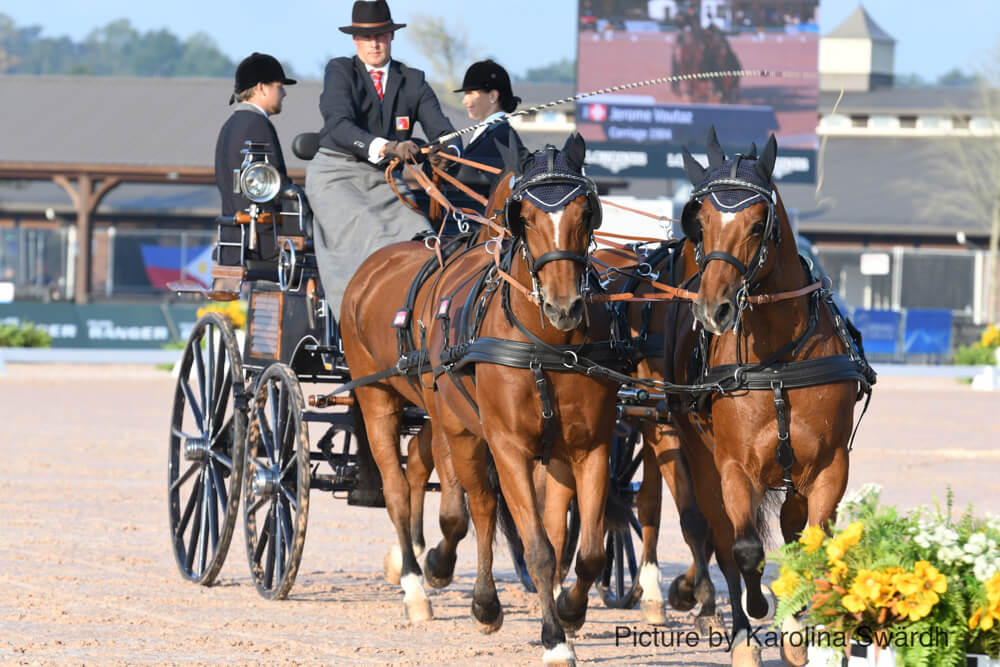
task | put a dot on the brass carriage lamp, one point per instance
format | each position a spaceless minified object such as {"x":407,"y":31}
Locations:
{"x":257,"y":180}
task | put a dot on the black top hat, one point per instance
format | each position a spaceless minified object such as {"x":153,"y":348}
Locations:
{"x":371,"y":18}
{"x":488,"y":75}
{"x":259,"y":68}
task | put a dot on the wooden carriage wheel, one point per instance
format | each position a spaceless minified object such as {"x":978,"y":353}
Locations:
{"x":276,"y":485}
{"x":206,"y":452}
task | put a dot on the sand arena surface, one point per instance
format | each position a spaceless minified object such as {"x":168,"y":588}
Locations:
{"x":89,"y":576}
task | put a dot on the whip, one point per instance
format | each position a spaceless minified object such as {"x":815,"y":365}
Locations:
{"x":763,"y":73}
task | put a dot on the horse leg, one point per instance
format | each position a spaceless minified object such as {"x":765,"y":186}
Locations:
{"x":744,"y":651}
{"x":515,"y":475}
{"x":382,"y":412}
{"x":468,"y":456}
{"x":439,"y":567}
{"x":741,"y":500}
{"x":419,"y":465}
{"x":557,"y":491}
{"x":694,"y":586}
{"x":590,"y":473}
{"x":794,"y":512}
{"x":649,"y":501}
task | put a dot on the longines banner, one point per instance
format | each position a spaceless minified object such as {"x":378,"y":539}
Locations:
{"x":105,"y":326}
{"x":631,"y":160}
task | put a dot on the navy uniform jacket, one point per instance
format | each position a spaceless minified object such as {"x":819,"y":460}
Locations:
{"x":352,"y":115}
{"x":246,"y":123}
{"x":483,"y":149}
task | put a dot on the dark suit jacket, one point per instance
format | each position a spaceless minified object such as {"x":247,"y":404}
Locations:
{"x":246,"y":123}
{"x":483,"y":149}
{"x":353,"y":117}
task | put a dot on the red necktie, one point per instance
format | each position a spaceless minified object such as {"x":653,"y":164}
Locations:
{"x":377,"y":78}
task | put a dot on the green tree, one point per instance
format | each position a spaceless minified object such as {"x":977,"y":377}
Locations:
{"x":562,"y":71}
{"x":956,"y":78}
{"x":445,"y":46}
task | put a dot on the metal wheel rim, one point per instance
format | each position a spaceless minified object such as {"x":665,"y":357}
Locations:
{"x":206,"y":449}
{"x":276,"y":483}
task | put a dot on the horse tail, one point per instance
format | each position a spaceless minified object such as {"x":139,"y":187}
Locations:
{"x":769,"y":507}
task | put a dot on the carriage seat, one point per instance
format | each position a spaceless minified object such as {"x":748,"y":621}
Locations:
{"x":305,"y":145}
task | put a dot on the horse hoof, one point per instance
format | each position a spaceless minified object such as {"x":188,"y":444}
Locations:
{"x":490,"y":628}
{"x":436,"y":582}
{"x":392,"y":566}
{"x":678,"y":599}
{"x":706,"y":625}
{"x":570,"y":623}
{"x":419,"y":610}
{"x":796,"y":656}
{"x":560,"y":655}
{"x":745,"y":652}
{"x":772,"y":603}
{"x":653,"y":612}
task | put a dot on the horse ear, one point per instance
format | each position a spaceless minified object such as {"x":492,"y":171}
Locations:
{"x":753,"y":150}
{"x":765,"y":164}
{"x":512,"y":159}
{"x":695,"y":172}
{"x":575,"y":151}
{"x":716,"y":156}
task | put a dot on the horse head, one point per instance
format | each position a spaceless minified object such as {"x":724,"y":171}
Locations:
{"x":731,"y":219}
{"x":551,"y":212}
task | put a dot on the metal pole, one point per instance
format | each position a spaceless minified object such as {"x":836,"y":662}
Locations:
{"x":109,"y":283}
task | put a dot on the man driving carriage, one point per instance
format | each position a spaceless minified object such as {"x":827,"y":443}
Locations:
{"x":370,"y":105}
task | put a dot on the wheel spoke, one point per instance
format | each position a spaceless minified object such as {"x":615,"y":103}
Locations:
{"x":630,"y":552}
{"x":212,"y":384}
{"x":220,"y":487}
{"x":185,"y":477}
{"x":222,"y":460}
{"x":290,"y":498}
{"x":286,"y":519}
{"x":206,"y":526}
{"x":199,"y":361}
{"x":196,"y":528}
{"x":269,"y":568}
{"x":189,"y":508}
{"x":219,"y":423}
{"x":273,"y":397}
{"x":279,"y":543}
{"x":177,"y":433}
{"x":266,"y":436}
{"x":252,"y":510}
{"x":193,"y":403}
{"x":619,"y":567}
{"x":262,"y":541}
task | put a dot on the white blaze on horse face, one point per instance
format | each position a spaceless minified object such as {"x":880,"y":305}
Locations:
{"x":727,"y":218}
{"x":556,"y":217}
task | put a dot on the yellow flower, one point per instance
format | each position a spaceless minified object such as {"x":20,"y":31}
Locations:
{"x":867,"y":585}
{"x":853,"y":603}
{"x":911,"y":607}
{"x":812,"y":538}
{"x":974,"y":619}
{"x":838,"y":568}
{"x":990,"y":337}
{"x":785,"y":584}
{"x":851,"y":534}
{"x":932,"y":579}
{"x":906,"y":583}
{"x":835,"y":550}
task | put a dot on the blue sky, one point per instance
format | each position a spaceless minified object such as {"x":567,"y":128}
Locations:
{"x":932,"y":38}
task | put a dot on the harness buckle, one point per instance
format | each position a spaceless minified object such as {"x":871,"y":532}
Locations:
{"x":570,"y":359}
{"x":645,"y":270}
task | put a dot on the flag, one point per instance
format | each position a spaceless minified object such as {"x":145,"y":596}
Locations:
{"x":163,"y":264}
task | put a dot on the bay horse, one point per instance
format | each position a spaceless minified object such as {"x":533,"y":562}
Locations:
{"x":501,"y":379}
{"x":782,"y":371}
{"x":705,"y":50}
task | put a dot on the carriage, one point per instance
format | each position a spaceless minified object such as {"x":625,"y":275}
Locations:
{"x":238,"y":395}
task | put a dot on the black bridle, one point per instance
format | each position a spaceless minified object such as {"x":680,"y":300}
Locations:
{"x":772,"y":231}
{"x":512,"y":216}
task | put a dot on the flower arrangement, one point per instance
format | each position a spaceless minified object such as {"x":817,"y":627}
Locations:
{"x":980,"y":353}
{"x":920,"y":582}
{"x":234,"y":311}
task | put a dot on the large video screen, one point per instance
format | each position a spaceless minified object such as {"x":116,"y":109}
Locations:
{"x":639,"y":132}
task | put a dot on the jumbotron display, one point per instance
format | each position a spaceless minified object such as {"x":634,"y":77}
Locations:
{"x":639,"y":133}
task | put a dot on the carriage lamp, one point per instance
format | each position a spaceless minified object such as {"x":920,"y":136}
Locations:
{"x":260,"y":182}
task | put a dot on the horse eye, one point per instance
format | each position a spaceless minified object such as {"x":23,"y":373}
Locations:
{"x":757,"y":229}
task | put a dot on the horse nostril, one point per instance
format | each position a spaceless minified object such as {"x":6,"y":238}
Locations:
{"x":550,"y":311}
{"x":722,"y":314}
{"x":576,"y":309}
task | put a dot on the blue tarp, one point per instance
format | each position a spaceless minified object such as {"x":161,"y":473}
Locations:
{"x":927,"y":332}
{"x":879,"y":330}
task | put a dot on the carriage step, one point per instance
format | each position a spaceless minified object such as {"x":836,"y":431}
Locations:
{"x":343,"y":418}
